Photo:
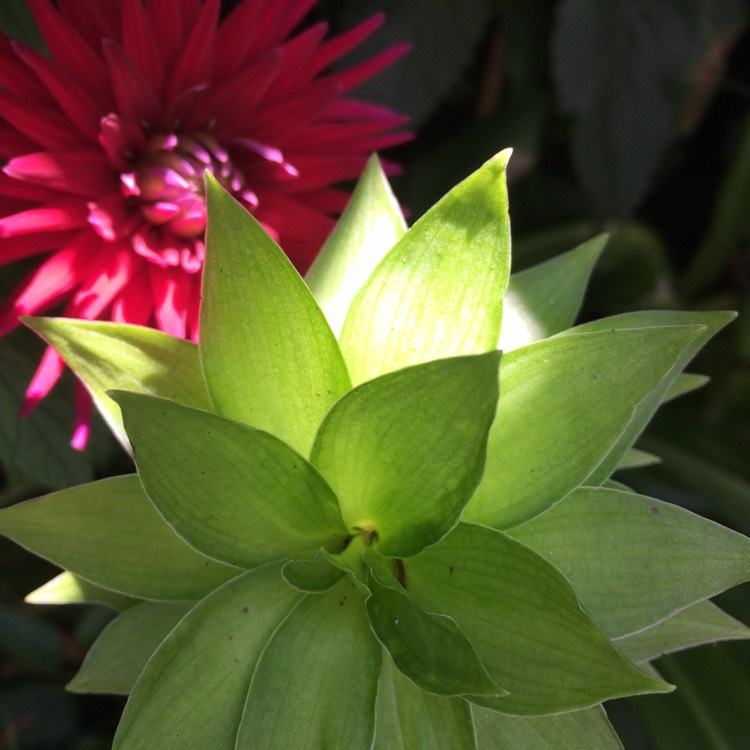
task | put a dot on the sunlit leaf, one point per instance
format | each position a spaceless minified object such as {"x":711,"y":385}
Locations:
{"x":438,"y":292}
{"x":404,"y":452}
{"x":269,"y":357}
{"x":545,"y":299}
{"x":68,"y":588}
{"x":366,"y":231}
{"x":108,"y":356}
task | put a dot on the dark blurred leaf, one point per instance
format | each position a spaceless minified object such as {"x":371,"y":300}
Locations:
{"x":37,"y":446}
{"x":444,"y":34}
{"x":17,"y":22}
{"x":29,"y":640}
{"x":35,"y":716}
{"x":623,"y":69}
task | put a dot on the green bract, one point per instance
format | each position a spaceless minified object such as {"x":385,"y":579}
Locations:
{"x":355,"y":523}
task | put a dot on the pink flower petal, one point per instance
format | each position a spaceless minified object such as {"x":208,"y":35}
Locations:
{"x":135,"y":99}
{"x":170,"y":290}
{"x":79,"y":172}
{"x":336,"y":48}
{"x":112,"y":218}
{"x":236,"y":45}
{"x":48,"y":128}
{"x":140,"y":44}
{"x":82,"y":429}
{"x":25,"y":245}
{"x":68,"y":214}
{"x":119,"y":138}
{"x":353,"y":77}
{"x":47,"y":374}
{"x":135,"y":304}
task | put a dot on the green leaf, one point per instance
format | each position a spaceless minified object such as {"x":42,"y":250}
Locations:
{"x":366,"y":231}
{"x":577,"y":730}
{"x":238,"y":494}
{"x":428,"y":648}
{"x":438,"y":293}
{"x":634,"y":560}
{"x":523,"y":618}
{"x":408,"y":718}
{"x":68,"y":588}
{"x":685,"y":382}
{"x":269,"y":357}
{"x":713,"y":323}
{"x":326,"y":638}
{"x":313,"y":574}
{"x":404,"y":452}
{"x":119,"y":655}
{"x":700,"y":623}
{"x":635,"y":459}
{"x":193,"y":689}
{"x":545,"y":299}
{"x":564,"y":403}
{"x":108,"y":532}
{"x":108,"y":356}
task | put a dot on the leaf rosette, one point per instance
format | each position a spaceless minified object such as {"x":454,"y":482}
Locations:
{"x":355,"y":523}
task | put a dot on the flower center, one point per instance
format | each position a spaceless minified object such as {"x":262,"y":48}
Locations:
{"x":168,"y":181}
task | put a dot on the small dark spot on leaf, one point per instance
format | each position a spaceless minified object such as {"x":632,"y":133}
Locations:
{"x":450,"y":568}
{"x":401,"y":572}
{"x":343,"y":601}
{"x":245,"y":610}
{"x":655,"y":510}
{"x":229,"y":637}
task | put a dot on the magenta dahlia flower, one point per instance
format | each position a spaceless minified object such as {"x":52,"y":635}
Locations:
{"x":106,"y":140}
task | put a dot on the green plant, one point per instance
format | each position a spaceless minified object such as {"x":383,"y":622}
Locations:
{"x":355,"y":523}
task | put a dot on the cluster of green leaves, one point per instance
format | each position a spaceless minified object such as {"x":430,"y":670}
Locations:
{"x":354,"y":521}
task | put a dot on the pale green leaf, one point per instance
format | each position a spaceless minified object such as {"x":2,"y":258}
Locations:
{"x":578,"y":730}
{"x":438,"y":292}
{"x":192,"y":692}
{"x":68,"y":588}
{"x":545,"y":299}
{"x":713,"y":322}
{"x":316,"y":682}
{"x":404,"y":452}
{"x":635,"y":459}
{"x":428,"y":648}
{"x":121,"y":651}
{"x":563,"y":403}
{"x":366,"y":231}
{"x":523,"y":618}
{"x":269,"y":357}
{"x":108,"y":356}
{"x":685,"y":382}
{"x":313,"y":574}
{"x":700,"y":623}
{"x":408,"y":718}
{"x":238,"y":494}
{"x":634,"y":560}
{"x":108,"y":532}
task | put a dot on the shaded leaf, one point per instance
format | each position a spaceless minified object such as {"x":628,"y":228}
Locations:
{"x":108,"y":356}
{"x":108,"y":532}
{"x":366,"y":231}
{"x":193,"y":688}
{"x":408,"y":718}
{"x":523,"y":618}
{"x":428,"y":648}
{"x":438,"y":292}
{"x":238,"y":494}
{"x":564,"y":404}
{"x":578,"y":730}
{"x":634,"y":560}
{"x":313,"y":574}
{"x":269,"y":357}
{"x":635,"y":459}
{"x":119,"y":655}
{"x":700,"y":623}
{"x":325,"y":636}
{"x":685,"y":382}
{"x":404,"y":452}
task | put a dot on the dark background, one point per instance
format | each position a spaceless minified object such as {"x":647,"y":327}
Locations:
{"x":626,"y":115}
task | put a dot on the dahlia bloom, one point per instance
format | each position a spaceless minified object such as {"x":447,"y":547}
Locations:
{"x":107,"y":139}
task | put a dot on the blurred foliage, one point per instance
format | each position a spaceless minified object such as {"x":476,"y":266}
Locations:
{"x":626,"y":115}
